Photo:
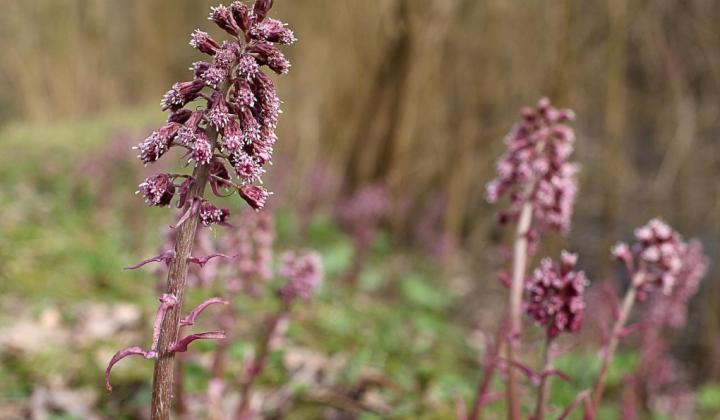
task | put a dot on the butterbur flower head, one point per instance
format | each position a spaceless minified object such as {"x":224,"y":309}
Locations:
{"x":201,"y":151}
{"x":272,"y":30}
{"x":157,"y":190}
{"x":658,"y":254}
{"x":535,"y":168}
{"x":554,"y":296}
{"x":218,"y":114}
{"x":241,"y":14}
{"x":244,"y":94}
{"x":247,"y":168}
{"x":250,"y":126}
{"x":232,"y":139}
{"x":227,"y":56}
{"x":214,"y":76}
{"x":211,"y":215}
{"x":186,"y":136}
{"x":180,"y":94}
{"x":247,"y":67}
{"x":303,"y":272}
{"x":269,"y":55}
{"x":203,"y":42}
{"x":255,"y":196}
{"x":222,"y":16}
{"x":157,"y":143}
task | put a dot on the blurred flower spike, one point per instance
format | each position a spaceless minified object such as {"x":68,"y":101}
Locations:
{"x":555,"y":295}
{"x":536,"y":168}
{"x":657,"y":258}
{"x":303,"y":273}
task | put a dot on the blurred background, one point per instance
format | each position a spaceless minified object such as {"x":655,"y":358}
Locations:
{"x":396,"y":104}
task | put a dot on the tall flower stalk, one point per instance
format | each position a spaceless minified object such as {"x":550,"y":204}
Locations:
{"x":536,"y":174}
{"x":657,"y":260}
{"x":303,"y":274}
{"x":225,"y":117}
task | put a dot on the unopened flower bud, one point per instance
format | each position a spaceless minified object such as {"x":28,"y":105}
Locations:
{"x":158,"y":190}
{"x":261,"y":9}
{"x":210,"y":215}
{"x":241,"y":14}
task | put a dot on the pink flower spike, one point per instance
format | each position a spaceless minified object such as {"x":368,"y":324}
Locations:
{"x":182,"y":345}
{"x":167,"y":301}
{"x":165,"y":256}
{"x":130,"y":351}
{"x":192,"y":316}
{"x":202,"y":261}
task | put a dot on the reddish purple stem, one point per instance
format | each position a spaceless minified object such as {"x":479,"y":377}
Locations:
{"x":533,"y":376}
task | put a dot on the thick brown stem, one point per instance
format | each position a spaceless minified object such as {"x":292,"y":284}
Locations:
{"x":179,"y":393}
{"x":516,"y":290}
{"x":609,"y":353}
{"x":176,"y":282}
{"x":544,"y":389}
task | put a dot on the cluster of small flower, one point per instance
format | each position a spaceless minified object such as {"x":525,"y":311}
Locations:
{"x":303,"y":272}
{"x":657,"y":255}
{"x":237,"y":124}
{"x":555,"y":295}
{"x":360,"y":213}
{"x":672,"y":309}
{"x":252,"y":245}
{"x":535,"y":168}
